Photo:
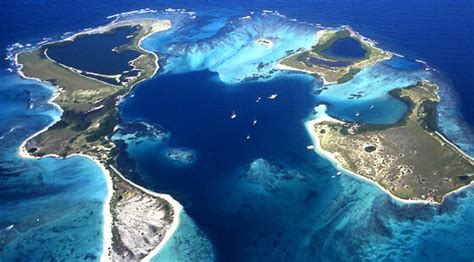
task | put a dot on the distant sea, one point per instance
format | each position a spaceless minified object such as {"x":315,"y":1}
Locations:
{"x":254,"y":192}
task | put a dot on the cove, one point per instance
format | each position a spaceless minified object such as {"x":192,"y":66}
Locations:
{"x":345,"y":48}
{"x":95,"y":53}
{"x":244,"y":194}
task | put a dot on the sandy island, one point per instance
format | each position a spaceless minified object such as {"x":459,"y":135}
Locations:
{"x":265,"y":42}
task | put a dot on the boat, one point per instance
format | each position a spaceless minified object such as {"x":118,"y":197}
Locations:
{"x":254,"y":122}
{"x":234,"y":115}
{"x":248,"y":137}
{"x":357,"y":114}
{"x":258,"y":99}
{"x":273,"y":96}
{"x":372,"y":106}
{"x":310,"y":147}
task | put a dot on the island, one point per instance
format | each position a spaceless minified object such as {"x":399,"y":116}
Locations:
{"x":265,"y":42}
{"x":336,"y":57}
{"x":90,"y":83}
{"x":410,"y":159}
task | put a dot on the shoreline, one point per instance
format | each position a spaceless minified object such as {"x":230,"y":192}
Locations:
{"x":106,"y":214}
{"x":102,"y":29}
{"x":177,"y":208}
{"x":107,"y":240}
{"x":282,"y":67}
{"x":358,"y":64}
{"x":446,"y":140}
{"x":309,"y":125}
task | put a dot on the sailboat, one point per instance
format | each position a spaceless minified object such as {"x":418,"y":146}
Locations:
{"x":273,"y":96}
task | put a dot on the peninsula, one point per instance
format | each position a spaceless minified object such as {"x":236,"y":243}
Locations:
{"x":136,"y":221}
{"x":410,"y":159}
{"x":336,"y":57}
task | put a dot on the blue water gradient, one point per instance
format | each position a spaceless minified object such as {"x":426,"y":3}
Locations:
{"x":365,"y":98}
{"x":49,"y":208}
{"x":188,"y":243}
{"x":262,"y":198}
{"x":231,"y":50}
{"x":269,"y":196}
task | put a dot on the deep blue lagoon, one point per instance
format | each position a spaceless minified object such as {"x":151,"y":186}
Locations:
{"x":345,"y":48}
{"x":97,"y":53}
{"x":266,"y":198}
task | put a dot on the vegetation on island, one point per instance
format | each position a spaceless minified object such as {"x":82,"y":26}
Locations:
{"x":88,"y":104}
{"x":88,"y":119}
{"x":334,"y":69}
{"x":409,"y":158}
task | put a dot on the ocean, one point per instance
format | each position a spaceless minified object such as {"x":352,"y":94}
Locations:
{"x":254,"y":191}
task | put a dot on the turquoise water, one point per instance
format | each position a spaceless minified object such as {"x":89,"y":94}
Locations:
{"x":58,"y":202}
{"x":49,"y":208}
{"x":189,"y":243}
{"x":365,"y":98}
{"x":266,"y":198}
{"x":259,"y":200}
{"x":223,"y":47}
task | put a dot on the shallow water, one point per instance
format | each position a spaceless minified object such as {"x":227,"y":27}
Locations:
{"x":189,"y":243}
{"x":49,"y":208}
{"x":266,"y":198}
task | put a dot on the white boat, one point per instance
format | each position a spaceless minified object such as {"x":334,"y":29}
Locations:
{"x":258,"y":99}
{"x":273,"y":96}
{"x":234,"y":115}
{"x":248,"y":137}
{"x":357,"y":114}
{"x":372,"y":106}
{"x":310,"y":147}
{"x":254,"y":122}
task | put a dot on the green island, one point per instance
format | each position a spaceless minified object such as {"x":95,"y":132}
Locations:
{"x":410,"y":159}
{"x":138,"y":220}
{"x":330,"y":68}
